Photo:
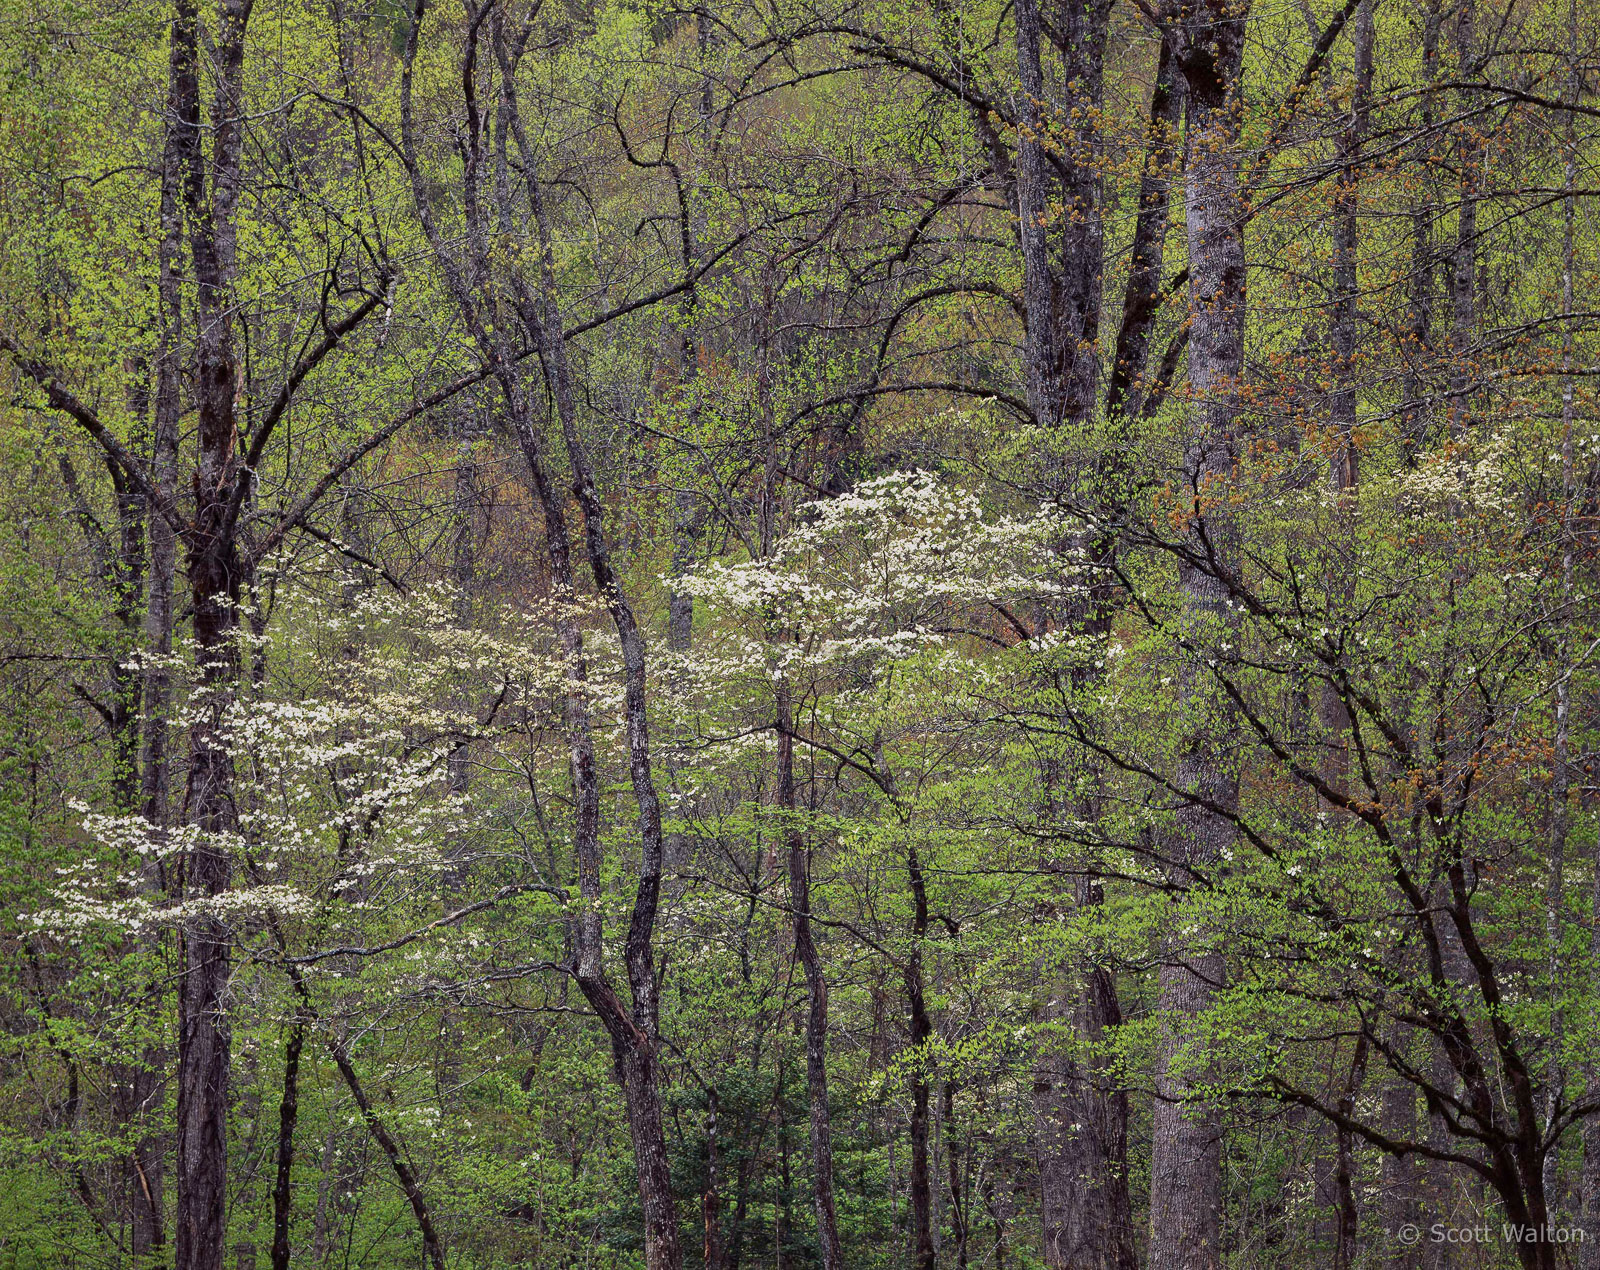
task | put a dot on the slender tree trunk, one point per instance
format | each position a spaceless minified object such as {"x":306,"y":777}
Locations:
{"x":465,"y":500}
{"x":412,"y":1189}
{"x":1560,"y":813}
{"x":1464,"y":257}
{"x":1418,"y":347}
{"x":821,"y":1123}
{"x":712,"y":1252}
{"x":633,"y":1031}
{"x":639,"y":1062}
{"x":147,"y":1235}
{"x":924,"y":1253}
{"x":1346,"y":285}
{"x":692,"y":223}
{"x":955,"y":1158}
{"x":288,"y":1115}
{"x":1589,"y":1179}
{"x":1343,"y":473}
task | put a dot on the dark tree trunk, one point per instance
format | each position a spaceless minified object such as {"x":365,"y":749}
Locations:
{"x":214,"y":574}
{"x":431,"y":1246}
{"x":924,"y":1253}
{"x":821,"y":1123}
{"x":956,"y":1157}
{"x":633,"y":1031}
{"x":1464,"y":256}
{"x":1141,"y":300}
{"x":1418,"y":349}
{"x":288,"y":1114}
{"x":1059,"y":206}
{"x":1340,"y":1212}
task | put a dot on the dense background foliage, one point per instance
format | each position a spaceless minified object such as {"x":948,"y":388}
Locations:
{"x":799,"y":633}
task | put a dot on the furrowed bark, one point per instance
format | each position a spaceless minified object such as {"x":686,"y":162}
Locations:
{"x":1060,"y":215}
{"x":1141,"y":299}
{"x":215,"y":581}
{"x":288,"y":1115}
{"x":1081,"y":1118}
{"x":1061,"y":296}
{"x":1186,"y":1169}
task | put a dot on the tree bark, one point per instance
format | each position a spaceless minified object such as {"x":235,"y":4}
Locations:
{"x":1082,"y":1130}
{"x":1186,"y":1165}
{"x":1464,"y":256}
{"x":924,"y":1253}
{"x":960,"y":1192}
{"x":431,"y":1246}
{"x":215,"y":576}
{"x":1061,"y":298}
{"x":1416,"y":417}
{"x":288,"y":1115}
{"x":633,"y":1031}
{"x":1141,"y":299}
{"x":821,"y":1123}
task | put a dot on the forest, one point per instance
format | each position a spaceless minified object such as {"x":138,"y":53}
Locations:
{"x":778,"y":634}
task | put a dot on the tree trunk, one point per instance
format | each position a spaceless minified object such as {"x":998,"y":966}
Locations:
{"x":1464,"y":257}
{"x":923,"y":1251}
{"x":214,"y":574}
{"x":1062,"y":299}
{"x":633,"y":1032}
{"x":1081,"y":1120}
{"x":1186,"y":1163}
{"x":1399,"y":1118}
{"x":1141,"y":300}
{"x":1343,"y":473}
{"x":431,"y":1246}
{"x":1560,"y":813}
{"x":821,"y":1123}
{"x":960,"y":1196}
{"x":1415,"y":413}
{"x":712,"y":1253}
{"x":288,"y":1114}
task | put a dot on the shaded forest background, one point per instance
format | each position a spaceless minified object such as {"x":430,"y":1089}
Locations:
{"x":799,"y":633}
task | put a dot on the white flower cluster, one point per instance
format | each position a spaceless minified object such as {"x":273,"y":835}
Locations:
{"x":896,"y":567}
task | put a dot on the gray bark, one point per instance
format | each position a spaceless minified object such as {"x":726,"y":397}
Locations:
{"x":1186,"y":1169}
